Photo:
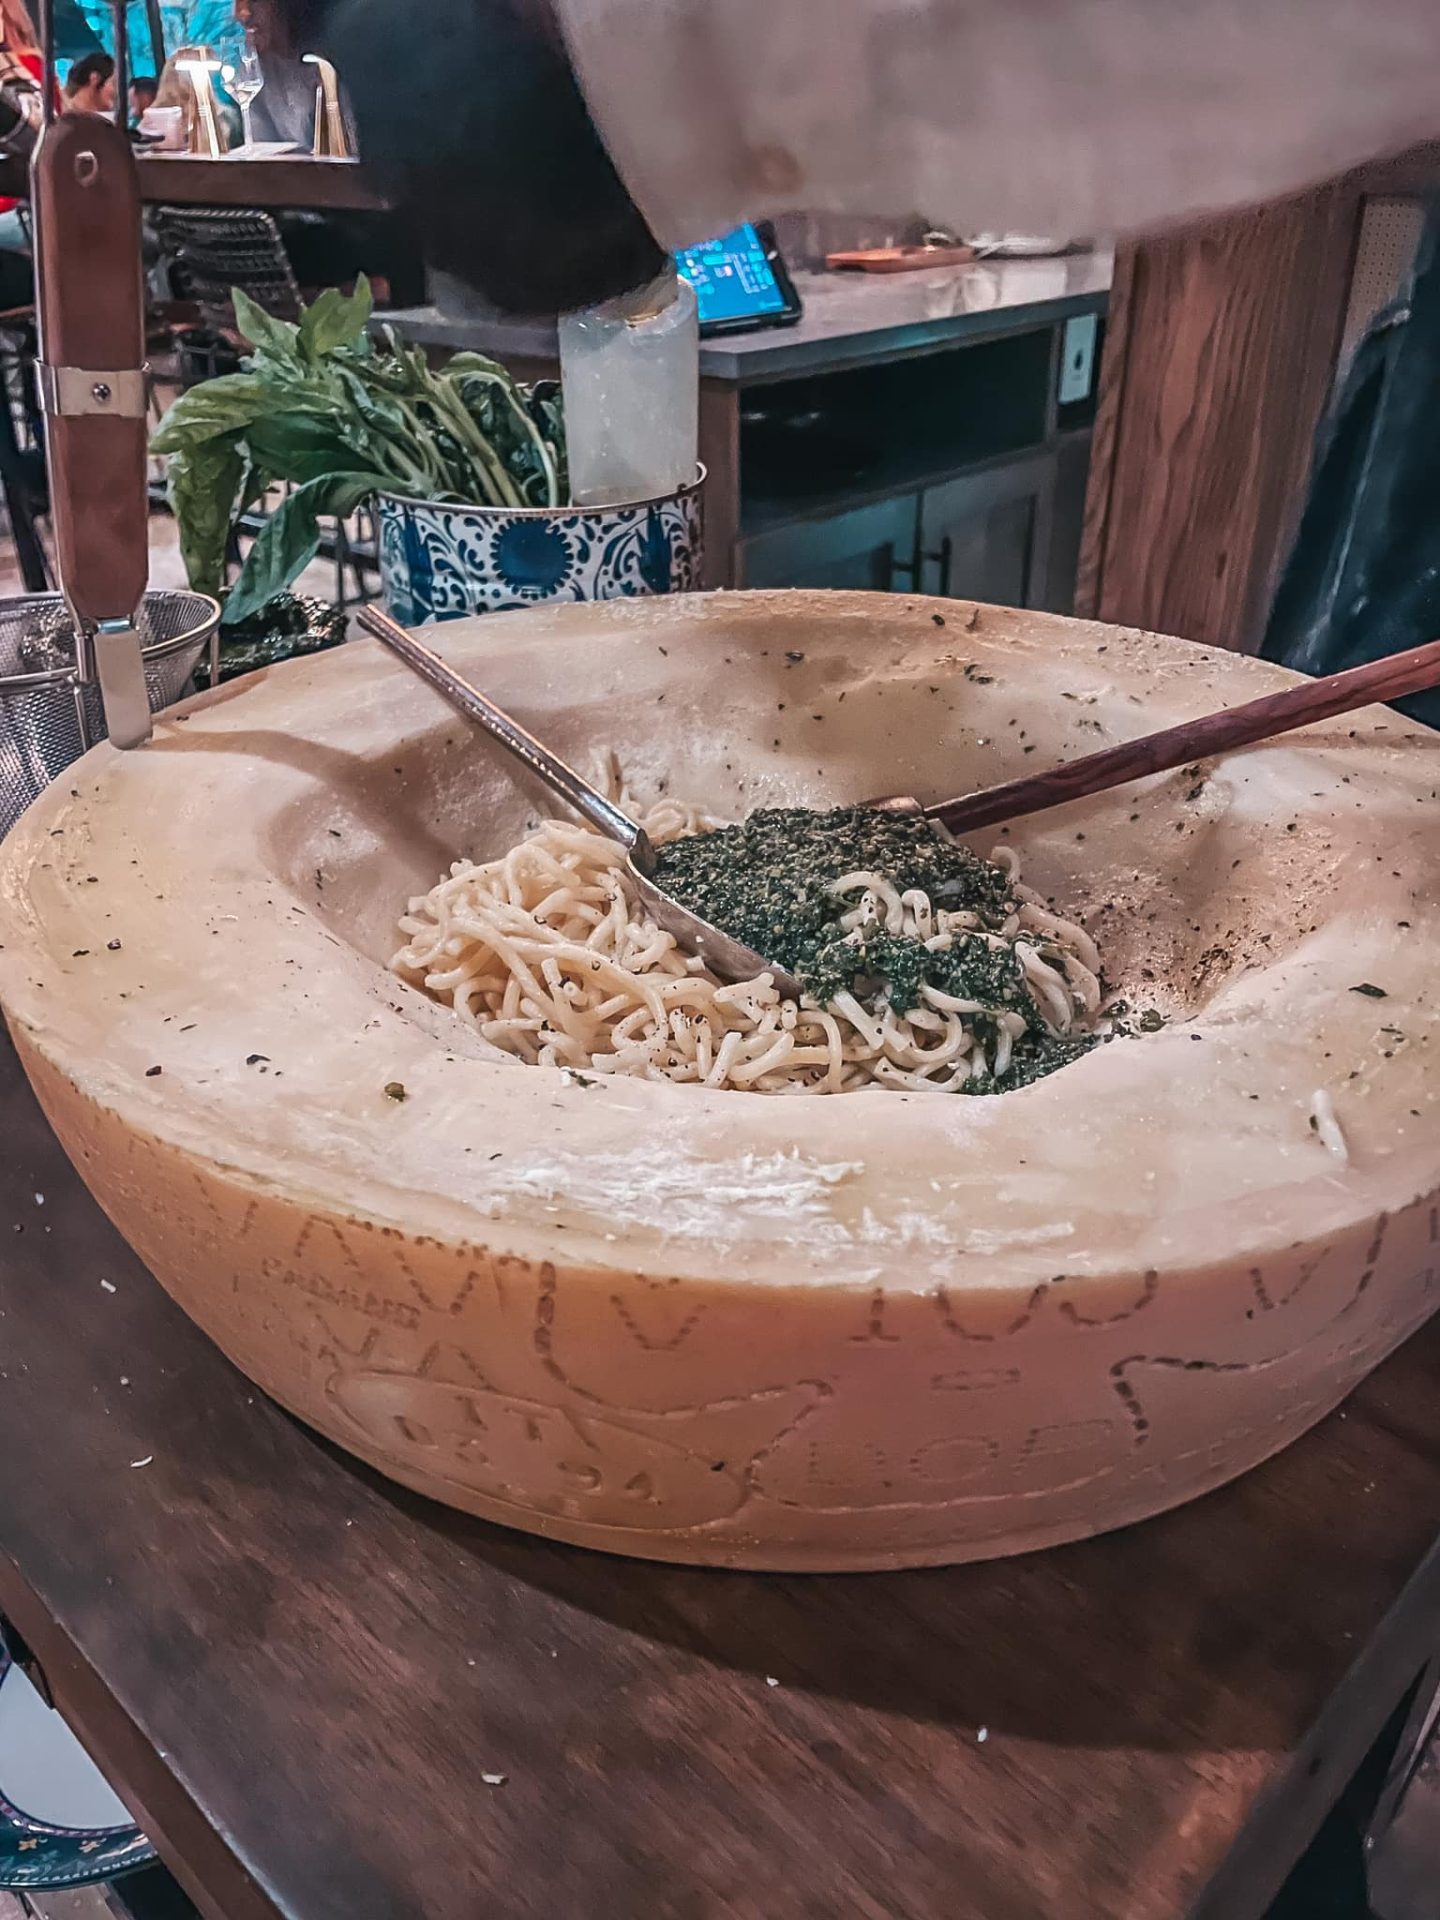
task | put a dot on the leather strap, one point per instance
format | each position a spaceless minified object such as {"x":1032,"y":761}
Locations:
{"x":92,"y":315}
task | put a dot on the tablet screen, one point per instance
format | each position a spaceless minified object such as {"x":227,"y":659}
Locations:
{"x":733,"y":279}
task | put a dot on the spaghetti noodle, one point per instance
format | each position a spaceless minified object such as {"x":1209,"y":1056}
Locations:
{"x":546,"y":953}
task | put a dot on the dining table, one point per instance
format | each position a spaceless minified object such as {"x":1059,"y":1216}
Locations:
{"x":326,"y":1698}
{"x":277,"y":181}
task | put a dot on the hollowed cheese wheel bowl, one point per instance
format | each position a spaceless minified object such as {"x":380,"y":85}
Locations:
{"x":858,"y":1331}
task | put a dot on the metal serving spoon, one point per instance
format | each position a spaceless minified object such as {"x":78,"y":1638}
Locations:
{"x":726,"y":958}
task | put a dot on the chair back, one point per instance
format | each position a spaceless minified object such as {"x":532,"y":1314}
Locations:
{"x":217,"y":249}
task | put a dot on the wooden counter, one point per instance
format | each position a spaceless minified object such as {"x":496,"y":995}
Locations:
{"x":328,"y":1700}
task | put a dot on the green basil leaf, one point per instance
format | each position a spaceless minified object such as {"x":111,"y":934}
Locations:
{"x":373,"y":404}
{"x":300,"y":446}
{"x":203,"y":483}
{"x":290,"y":538}
{"x":335,"y":321}
{"x":223,"y":405}
{"x":262,"y":329}
{"x":478,"y":363}
{"x":319,"y":407}
{"x":255,"y":483}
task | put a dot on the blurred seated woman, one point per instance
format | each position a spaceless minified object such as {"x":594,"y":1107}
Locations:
{"x":22,"y":69}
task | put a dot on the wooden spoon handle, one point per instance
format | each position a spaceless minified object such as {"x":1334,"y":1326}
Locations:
{"x":1390,"y":679}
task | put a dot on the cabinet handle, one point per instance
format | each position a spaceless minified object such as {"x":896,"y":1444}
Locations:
{"x":944,"y":560}
{"x":895,"y":566}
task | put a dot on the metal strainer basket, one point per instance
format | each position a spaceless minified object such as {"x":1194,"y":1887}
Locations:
{"x":47,"y":719}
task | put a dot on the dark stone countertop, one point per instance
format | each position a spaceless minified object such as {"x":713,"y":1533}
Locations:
{"x":849,"y":318}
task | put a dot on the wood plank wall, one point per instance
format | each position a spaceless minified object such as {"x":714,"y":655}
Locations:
{"x":1220,"y":354}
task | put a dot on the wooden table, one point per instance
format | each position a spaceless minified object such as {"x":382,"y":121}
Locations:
{"x":300,"y":1677}
{"x":188,"y":180}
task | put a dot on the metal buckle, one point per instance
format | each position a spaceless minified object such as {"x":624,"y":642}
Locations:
{"x":120,"y":669}
{"x":75,"y":392}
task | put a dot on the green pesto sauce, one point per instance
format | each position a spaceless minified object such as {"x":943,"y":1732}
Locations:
{"x":766,"y":883}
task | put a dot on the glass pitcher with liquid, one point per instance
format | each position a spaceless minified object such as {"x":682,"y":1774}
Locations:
{"x":631,"y":375}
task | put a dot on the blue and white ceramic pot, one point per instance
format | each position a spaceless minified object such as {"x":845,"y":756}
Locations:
{"x":441,"y":562}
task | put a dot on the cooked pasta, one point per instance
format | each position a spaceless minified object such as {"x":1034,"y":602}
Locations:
{"x":546,"y":952}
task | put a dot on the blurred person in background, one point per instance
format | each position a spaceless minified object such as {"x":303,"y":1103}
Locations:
{"x":175,"y":88}
{"x":90,"y":85}
{"x":285,"y":107}
{"x":20,"y":41}
{"x":552,"y":150}
{"x":22,"y":69}
{"x":143,"y":89}
{"x":326,"y":250}
{"x":23,"y":477}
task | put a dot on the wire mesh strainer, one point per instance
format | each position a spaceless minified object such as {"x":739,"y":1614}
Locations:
{"x":47,"y":719}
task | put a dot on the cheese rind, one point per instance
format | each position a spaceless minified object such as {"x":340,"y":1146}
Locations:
{"x":867,"y":1330}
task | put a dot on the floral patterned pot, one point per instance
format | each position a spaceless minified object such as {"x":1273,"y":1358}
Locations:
{"x":441,"y":562}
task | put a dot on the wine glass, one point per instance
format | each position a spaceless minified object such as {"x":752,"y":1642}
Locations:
{"x":245,"y":81}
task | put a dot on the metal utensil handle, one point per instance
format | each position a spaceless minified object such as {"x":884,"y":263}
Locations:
{"x":1257,"y":720}
{"x":592,"y":805}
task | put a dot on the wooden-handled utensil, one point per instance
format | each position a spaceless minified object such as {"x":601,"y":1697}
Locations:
{"x":1243,"y":726}
{"x":898,"y":259}
{"x":91,"y":299}
{"x":1177,"y":746}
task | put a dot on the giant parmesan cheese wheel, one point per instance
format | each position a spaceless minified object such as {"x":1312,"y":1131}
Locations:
{"x":867,"y":1330}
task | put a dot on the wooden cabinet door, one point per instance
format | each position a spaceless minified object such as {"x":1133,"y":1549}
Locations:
{"x":868,"y":548}
{"x":987,"y":536}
